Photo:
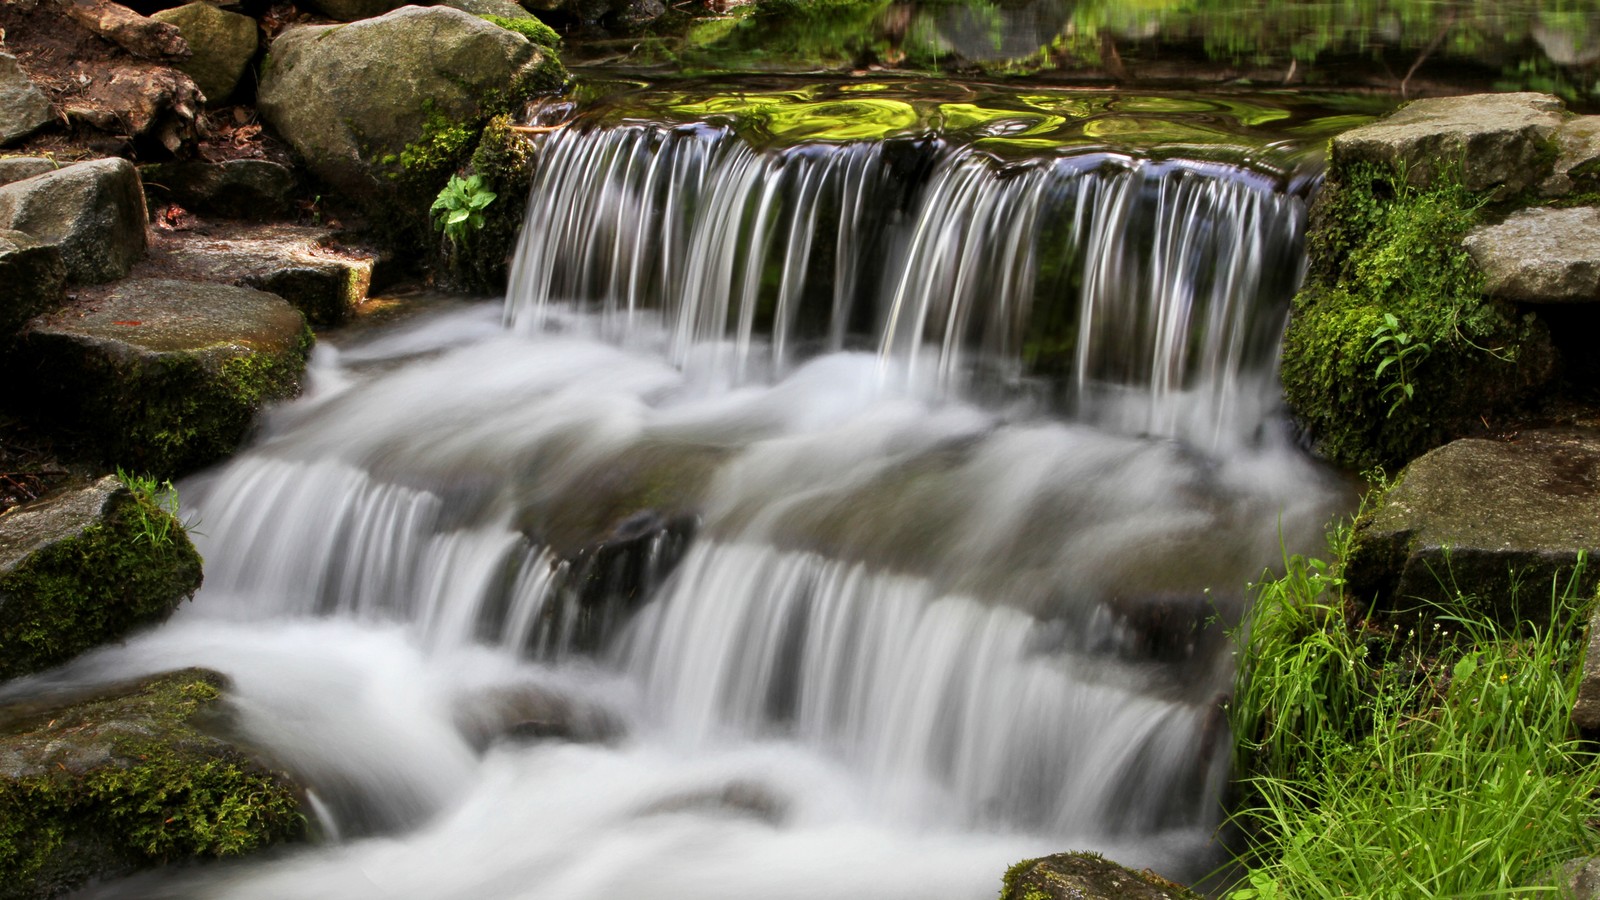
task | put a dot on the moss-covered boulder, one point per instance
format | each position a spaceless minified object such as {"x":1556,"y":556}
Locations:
{"x":223,"y":44}
{"x":93,"y":211}
{"x":130,"y":778}
{"x":1393,"y":347}
{"x":84,"y":567}
{"x":32,"y":280}
{"x":1487,"y":525}
{"x":162,"y":376}
{"x":384,"y":108}
{"x":1086,"y":876}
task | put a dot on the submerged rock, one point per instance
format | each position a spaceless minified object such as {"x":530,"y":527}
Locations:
{"x":1541,"y":255}
{"x":24,"y":109}
{"x":1484,"y":523}
{"x":84,"y":567}
{"x":367,"y":103}
{"x":1498,"y":140}
{"x":1086,"y":876}
{"x":129,"y":779}
{"x":93,"y":211}
{"x":223,"y":45}
{"x":163,"y":376}
{"x":32,"y":280}
{"x":533,"y":713}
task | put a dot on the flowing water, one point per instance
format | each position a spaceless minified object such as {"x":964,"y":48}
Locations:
{"x":813,"y":519}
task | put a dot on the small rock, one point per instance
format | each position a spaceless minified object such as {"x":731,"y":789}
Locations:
{"x":24,"y":109}
{"x":741,"y":798}
{"x":1541,"y":255}
{"x":223,"y":45}
{"x":505,"y":9}
{"x":1086,"y":876}
{"x":1582,"y":875}
{"x":352,"y":10}
{"x":84,"y":567}
{"x":630,"y":14}
{"x":154,"y":106}
{"x":1578,"y":159}
{"x":532,"y":713}
{"x":126,"y":778}
{"x":163,"y":376}
{"x":1476,"y":519}
{"x":93,"y":212}
{"x":32,"y":281}
{"x":255,"y":189}
{"x":19,"y":167}
{"x":1498,"y":139}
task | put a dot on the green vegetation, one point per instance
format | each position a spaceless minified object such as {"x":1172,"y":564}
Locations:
{"x":154,"y":514}
{"x":1380,"y":248}
{"x":1407,"y":761}
{"x":493,"y":198}
{"x":530,"y":28}
{"x":95,"y":587}
{"x":124,"y":782}
{"x":459,"y":207}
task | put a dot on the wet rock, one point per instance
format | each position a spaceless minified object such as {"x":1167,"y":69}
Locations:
{"x":19,"y":167}
{"x":1086,"y":876}
{"x":1541,"y":255}
{"x":302,"y":265}
{"x":1474,"y":522}
{"x":1580,"y":879}
{"x":1500,"y":141}
{"x":24,"y":109}
{"x":742,"y":798}
{"x":153,"y":106}
{"x":223,"y":43}
{"x":163,"y":376}
{"x":533,"y":713}
{"x":32,"y":280}
{"x":130,"y":777}
{"x":352,"y":10}
{"x":93,"y":212}
{"x":83,"y":567}
{"x":255,"y":189}
{"x":364,"y":103}
{"x":1578,"y":157}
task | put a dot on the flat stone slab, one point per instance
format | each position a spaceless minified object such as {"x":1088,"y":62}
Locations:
{"x":1541,"y":255}
{"x":1496,"y":140}
{"x":94,"y":211}
{"x":302,"y":265}
{"x":24,"y":109}
{"x":1485,"y":523}
{"x":83,"y":567}
{"x":162,"y":375}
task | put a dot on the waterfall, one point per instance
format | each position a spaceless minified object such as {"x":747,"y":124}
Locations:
{"x":824,"y":521}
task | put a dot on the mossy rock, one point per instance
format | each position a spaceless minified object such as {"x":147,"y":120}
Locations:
{"x":163,"y":376}
{"x":130,"y":779}
{"x":1086,"y":876}
{"x":504,"y":161}
{"x":84,"y":567}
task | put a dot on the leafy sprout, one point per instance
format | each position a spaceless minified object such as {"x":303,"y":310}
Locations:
{"x":458,"y":210}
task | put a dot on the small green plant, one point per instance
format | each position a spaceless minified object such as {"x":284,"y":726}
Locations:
{"x":1401,"y":351}
{"x":459,"y":207}
{"x":155,"y":509}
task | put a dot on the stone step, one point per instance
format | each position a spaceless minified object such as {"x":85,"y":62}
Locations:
{"x":1541,"y":255}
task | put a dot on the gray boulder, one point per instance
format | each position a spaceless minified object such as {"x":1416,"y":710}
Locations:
{"x":84,"y":567}
{"x":24,"y":109}
{"x":19,"y":167}
{"x":1499,"y":141}
{"x":32,"y":280}
{"x":93,"y":212}
{"x":1484,"y":524}
{"x":367,"y":102}
{"x":100,"y":782}
{"x":256,"y":189}
{"x":1541,"y":255}
{"x":223,"y":45}
{"x":1086,"y":876}
{"x":163,"y":376}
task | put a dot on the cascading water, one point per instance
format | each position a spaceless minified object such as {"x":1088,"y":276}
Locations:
{"x":758,"y":556}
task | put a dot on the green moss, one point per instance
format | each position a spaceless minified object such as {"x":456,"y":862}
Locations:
{"x":93,"y":588}
{"x":1380,"y":246}
{"x":126,"y":782}
{"x":503,"y":160}
{"x":532,"y":29}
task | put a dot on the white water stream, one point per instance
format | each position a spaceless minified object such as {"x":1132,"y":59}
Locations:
{"x":923,"y":628}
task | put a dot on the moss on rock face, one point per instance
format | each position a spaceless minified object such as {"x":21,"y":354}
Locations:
{"x":1086,"y":876}
{"x":504,"y":161}
{"x":124,"y":781}
{"x":1380,"y":246}
{"x":86,"y":567}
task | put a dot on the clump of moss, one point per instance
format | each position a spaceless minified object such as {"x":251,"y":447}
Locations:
{"x":503,"y":160}
{"x":532,"y":29}
{"x":1082,"y":874}
{"x":126,"y":781}
{"x":95,"y":587}
{"x":1380,"y":246}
